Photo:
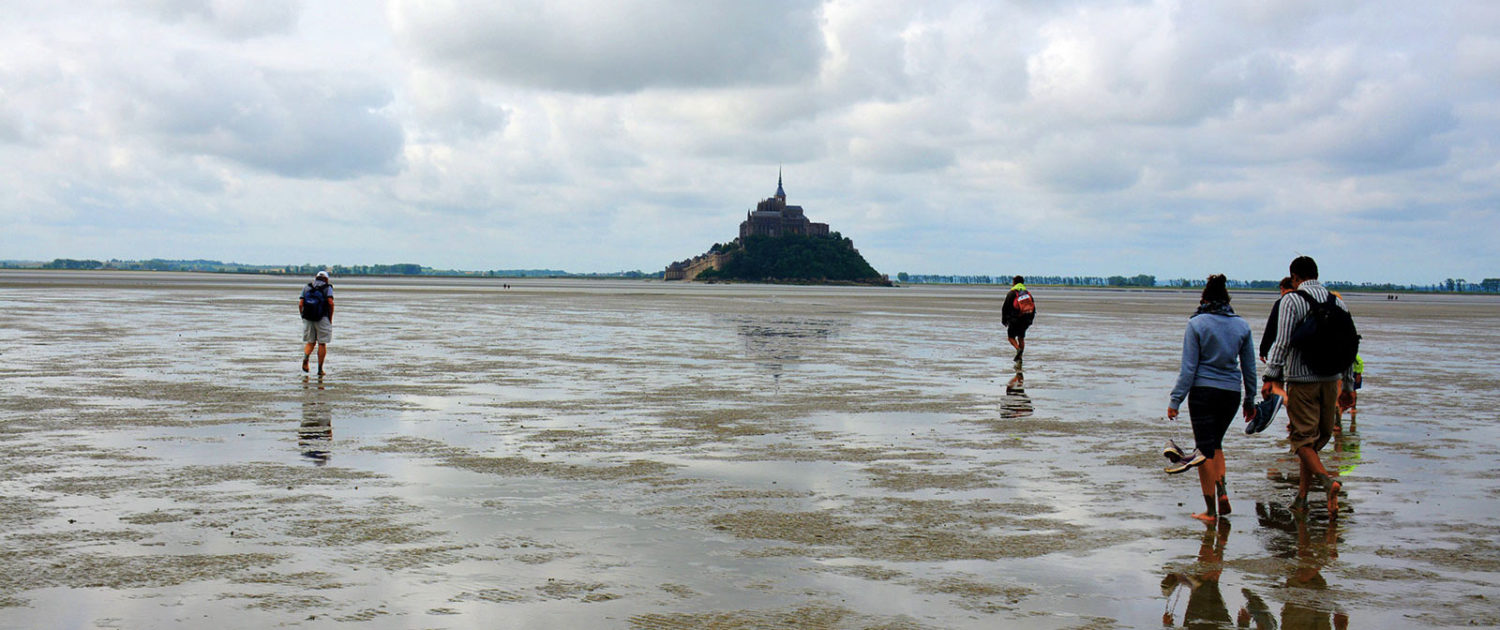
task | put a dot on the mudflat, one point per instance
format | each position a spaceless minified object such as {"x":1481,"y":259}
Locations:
{"x":633,"y":454}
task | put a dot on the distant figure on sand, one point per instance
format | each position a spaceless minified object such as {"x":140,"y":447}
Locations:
{"x":1312,"y":386}
{"x":1218,"y":362}
{"x":316,"y":307}
{"x":1017,"y":314}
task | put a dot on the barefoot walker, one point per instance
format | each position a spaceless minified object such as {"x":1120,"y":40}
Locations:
{"x":316,"y":307}
{"x":1316,"y":343}
{"x":1218,"y":359}
{"x":1016,"y":314}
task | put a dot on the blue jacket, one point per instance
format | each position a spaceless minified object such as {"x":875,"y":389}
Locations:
{"x":1217,"y":352}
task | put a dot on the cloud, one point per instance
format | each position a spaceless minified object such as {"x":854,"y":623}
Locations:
{"x":1082,"y":163}
{"x":452,"y":108}
{"x":236,"y":19}
{"x":296,"y":124}
{"x":617,"y":46}
{"x":952,"y":135}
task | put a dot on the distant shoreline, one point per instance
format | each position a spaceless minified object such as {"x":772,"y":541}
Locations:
{"x":9,"y":269}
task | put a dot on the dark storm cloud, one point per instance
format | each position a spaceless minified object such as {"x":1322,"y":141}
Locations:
{"x":622,"y":46}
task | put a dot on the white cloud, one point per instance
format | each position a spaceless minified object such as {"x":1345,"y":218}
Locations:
{"x":951,"y":135}
{"x":236,"y":19}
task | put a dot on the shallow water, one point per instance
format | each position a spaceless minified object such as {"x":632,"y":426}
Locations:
{"x":645,"y":455}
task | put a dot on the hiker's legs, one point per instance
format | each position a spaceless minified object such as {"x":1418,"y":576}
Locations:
{"x":1211,"y":412}
{"x":1222,"y":485}
{"x":1208,"y":481}
{"x":307,"y":349}
{"x":1313,"y":413}
{"x":322,"y":354}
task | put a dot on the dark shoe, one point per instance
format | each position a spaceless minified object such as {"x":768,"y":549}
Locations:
{"x":1265,"y":412}
{"x":1190,"y":460}
{"x":1172,"y":452}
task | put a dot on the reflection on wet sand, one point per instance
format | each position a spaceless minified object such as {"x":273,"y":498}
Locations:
{"x":773,"y":342}
{"x":315,"y":435}
{"x":1309,"y":602}
{"x":1016,"y":403}
{"x":610,"y":455}
{"x":1346,"y":455}
{"x":1342,"y":455}
{"x":1205,"y":605}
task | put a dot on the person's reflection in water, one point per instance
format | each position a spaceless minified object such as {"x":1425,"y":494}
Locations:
{"x":1205,"y":606}
{"x":1308,"y":604}
{"x":773,"y":343}
{"x":1345,"y":455}
{"x":315,"y":436}
{"x":1016,"y":403}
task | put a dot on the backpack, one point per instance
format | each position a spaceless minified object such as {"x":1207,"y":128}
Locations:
{"x":1326,"y":338}
{"x":314,"y":303}
{"x":1024,"y":304}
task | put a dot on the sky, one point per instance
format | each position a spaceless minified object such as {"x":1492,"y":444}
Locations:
{"x":1172,"y":138}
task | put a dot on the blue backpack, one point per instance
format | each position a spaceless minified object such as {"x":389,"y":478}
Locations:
{"x":314,"y":303}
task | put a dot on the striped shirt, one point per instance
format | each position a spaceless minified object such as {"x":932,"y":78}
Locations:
{"x":1284,"y":363}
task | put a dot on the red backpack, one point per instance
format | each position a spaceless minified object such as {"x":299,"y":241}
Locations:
{"x":1024,"y":304}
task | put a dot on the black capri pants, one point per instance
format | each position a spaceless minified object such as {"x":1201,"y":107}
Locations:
{"x":1212,"y":410}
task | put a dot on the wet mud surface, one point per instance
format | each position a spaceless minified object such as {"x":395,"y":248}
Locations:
{"x":647,"y":455}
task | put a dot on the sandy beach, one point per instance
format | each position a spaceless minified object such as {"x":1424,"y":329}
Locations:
{"x":640,"y":454}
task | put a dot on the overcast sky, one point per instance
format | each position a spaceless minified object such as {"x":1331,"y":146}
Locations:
{"x":1041,"y":137}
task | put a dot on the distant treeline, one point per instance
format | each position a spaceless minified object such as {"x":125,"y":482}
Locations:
{"x":1141,"y":280}
{"x":214,"y":266}
{"x":1454,"y":285}
{"x":1448,"y":285}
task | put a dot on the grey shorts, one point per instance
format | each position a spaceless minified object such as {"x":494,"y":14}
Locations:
{"x":320,"y":331}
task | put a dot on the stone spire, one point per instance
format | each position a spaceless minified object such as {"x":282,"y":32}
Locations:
{"x":780,"y":194}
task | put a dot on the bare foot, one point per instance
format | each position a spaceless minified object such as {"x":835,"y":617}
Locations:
{"x":1333,"y":498}
{"x":1299,"y":504}
{"x":1205,"y":517}
{"x":304,"y":363}
{"x":1224,"y":509}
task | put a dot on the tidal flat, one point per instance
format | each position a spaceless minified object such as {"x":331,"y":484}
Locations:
{"x":644,"y":455}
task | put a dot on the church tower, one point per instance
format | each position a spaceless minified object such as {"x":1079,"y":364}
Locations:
{"x":780,"y":193}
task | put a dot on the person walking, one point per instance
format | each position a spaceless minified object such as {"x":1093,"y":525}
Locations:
{"x":1218,"y":362}
{"x":1313,"y":398}
{"x":1017,"y":314}
{"x":1268,"y":334}
{"x":316,"y":307}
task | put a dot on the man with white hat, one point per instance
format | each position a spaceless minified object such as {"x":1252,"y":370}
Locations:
{"x":316,"y":307}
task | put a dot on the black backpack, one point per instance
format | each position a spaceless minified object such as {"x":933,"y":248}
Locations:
{"x":314,"y":303}
{"x":1326,"y":338}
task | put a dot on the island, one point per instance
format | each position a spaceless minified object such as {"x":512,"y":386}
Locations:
{"x":778,"y":243}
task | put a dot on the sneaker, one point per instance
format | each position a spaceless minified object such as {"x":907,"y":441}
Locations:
{"x":1188,"y":461}
{"x":1265,"y":412}
{"x":1172,"y":452}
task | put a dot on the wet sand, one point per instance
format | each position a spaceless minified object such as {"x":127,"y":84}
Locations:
{"x":626,"y":454}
